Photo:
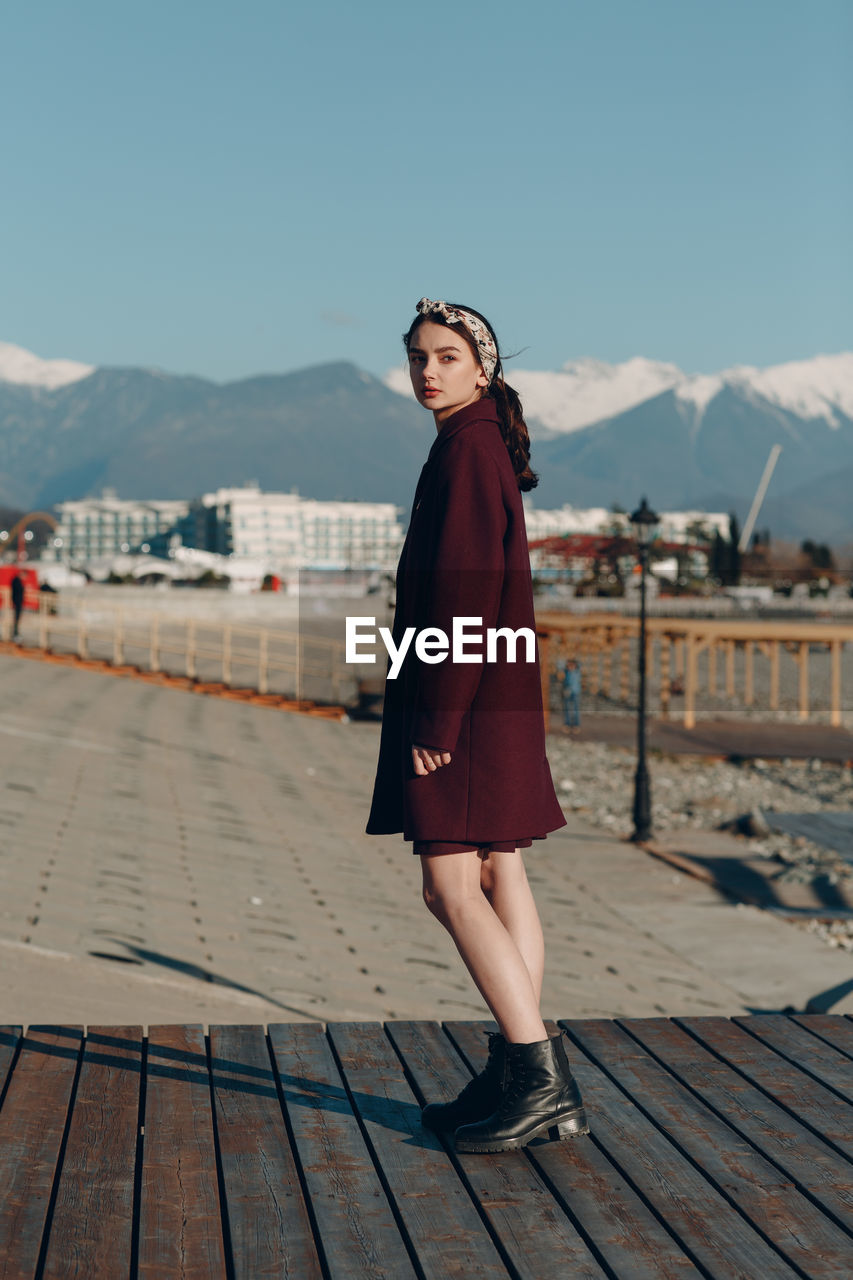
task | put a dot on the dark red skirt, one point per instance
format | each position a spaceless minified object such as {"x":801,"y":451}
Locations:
{"x":495,"y":846}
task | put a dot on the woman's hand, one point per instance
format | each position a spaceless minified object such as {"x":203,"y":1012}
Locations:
{"x":425,"y":760}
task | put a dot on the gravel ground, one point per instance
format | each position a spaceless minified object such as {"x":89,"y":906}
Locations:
{"x":597,"y":781}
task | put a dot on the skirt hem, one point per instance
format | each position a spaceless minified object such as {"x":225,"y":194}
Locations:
{"x":483,"y":848}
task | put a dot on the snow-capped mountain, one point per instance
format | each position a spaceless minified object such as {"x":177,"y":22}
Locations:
{"x":25,"y":369}
{"x":332,"y":431}
{"x":602,"y":434}
{"x":812,"y":389}
{"x":587,"y":391}
{"x":582,"y":392}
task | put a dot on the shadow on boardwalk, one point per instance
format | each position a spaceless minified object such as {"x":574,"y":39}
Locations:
{"x":718,"y":1147}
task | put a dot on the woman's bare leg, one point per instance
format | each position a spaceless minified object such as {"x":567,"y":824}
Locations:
{"x":504,"y":882}
{"x":454,"y":894}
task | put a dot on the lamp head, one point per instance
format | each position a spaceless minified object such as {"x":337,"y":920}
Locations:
{"x":645,"y":523}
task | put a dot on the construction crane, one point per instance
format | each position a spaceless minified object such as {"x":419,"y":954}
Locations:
{"x":769,"y":467}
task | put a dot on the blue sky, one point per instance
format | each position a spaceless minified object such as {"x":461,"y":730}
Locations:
{"x":228,"y":189}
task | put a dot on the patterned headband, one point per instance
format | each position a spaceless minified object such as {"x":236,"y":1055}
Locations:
{"x":478,"y":331}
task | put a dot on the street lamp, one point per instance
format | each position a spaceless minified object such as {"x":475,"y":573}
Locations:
{"x":644,"y":521}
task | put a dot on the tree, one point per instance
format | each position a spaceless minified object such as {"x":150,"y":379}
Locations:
{"x":819,"y":554}
{"x":724,"y":560}
{"x":733,"y":567}
{"x":697,"y":531}
{"x":719,"y":557}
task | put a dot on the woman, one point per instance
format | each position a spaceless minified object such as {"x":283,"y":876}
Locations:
{"x":462,"y":770}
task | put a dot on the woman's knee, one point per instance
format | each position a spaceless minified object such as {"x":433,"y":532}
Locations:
{"x":448,"y":901}
{"x":433,"y":900}
{"x":441,"y":902}
{"x":451,"y":883}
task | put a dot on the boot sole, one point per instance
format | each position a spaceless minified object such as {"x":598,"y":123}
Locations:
{"x":571,"y":1126}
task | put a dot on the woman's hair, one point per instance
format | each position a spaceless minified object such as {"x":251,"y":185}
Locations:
{"x":510,"y":414}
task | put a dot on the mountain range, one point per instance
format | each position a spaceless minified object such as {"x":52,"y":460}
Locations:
{"x":602,"y":434}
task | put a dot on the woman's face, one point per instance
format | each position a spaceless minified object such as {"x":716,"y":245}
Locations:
{"x":445,"y":373}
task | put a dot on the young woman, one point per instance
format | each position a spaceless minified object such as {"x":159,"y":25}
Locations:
{"x":462,"y":770}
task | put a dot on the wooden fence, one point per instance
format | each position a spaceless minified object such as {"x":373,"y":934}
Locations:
{"x":606,"y":648}
{"x":265,"y":659}
{"x":685,"y":657}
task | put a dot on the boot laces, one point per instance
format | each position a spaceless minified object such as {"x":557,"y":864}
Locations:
{"x":516,"y":1088}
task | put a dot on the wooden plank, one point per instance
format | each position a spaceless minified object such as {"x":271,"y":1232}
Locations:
{"x":32,"y":1125}
{"x":443,"y":1227}
{"x":534,"y":1231}
{"x":91,"y":1230}
{"x":816,"y":1168}
{"x":711,"y":1231}
{"x":180,"y":1229}
{"x":354,"y":1218}
{"x":805,"y":1051}
{"x":623,"y":1229}
{"x":812,"y":1104}
{"x":764,"y":1195}
{"x":10,"y":1038}
{"x":268,"y":1220}
{"x":831,"y":1027}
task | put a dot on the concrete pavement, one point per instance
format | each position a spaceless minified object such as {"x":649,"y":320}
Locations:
{"x":170,"y":857}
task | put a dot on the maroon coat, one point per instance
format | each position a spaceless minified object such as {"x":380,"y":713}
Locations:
{"x":465,"y":554}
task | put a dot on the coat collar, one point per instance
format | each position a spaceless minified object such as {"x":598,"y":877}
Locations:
{"x":480,"y":411}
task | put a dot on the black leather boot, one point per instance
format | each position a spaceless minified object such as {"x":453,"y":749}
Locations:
{"x":541,"y":1097}
{"x":478,"y":1099}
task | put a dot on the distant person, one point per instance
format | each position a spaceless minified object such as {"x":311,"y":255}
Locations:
{"x":462,"y":770}
{"x":17,"y":601}
{"x":570,"y":693}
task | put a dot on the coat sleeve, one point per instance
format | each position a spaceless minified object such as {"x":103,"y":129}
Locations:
{"x":465,"y":579}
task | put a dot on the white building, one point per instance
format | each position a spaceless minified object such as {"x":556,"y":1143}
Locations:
{"x":679,"y":526}
{"x":90,"y":528}
{"x":674,"y":526}
{"x":567,"y":519}
{"x":282,"y":531}
{"x":290,"y":532}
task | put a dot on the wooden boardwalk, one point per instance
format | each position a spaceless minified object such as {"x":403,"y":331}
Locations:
{"x":719,"y":1148}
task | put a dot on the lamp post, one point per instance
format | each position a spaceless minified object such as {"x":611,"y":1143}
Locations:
{"x":644,"y":521}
